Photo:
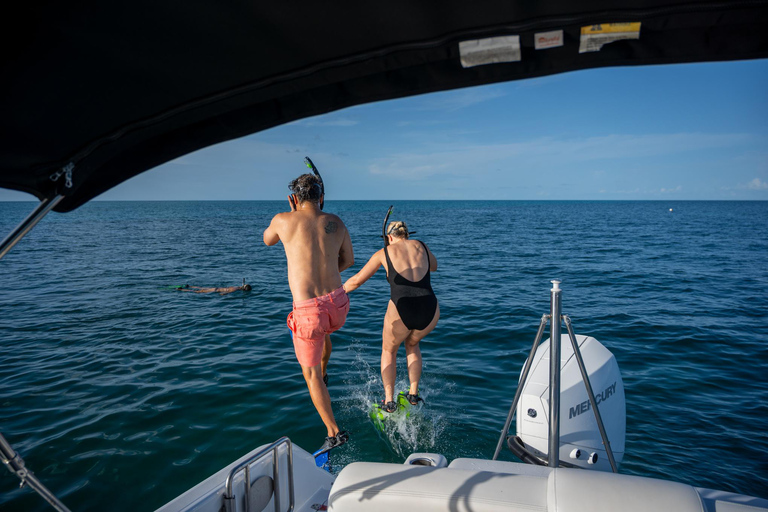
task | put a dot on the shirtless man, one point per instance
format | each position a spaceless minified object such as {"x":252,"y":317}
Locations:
{"x":317,"y":247}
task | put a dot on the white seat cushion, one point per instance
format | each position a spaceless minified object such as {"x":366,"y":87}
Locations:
{"x":579,"y":490}
{"x":381,"y":487}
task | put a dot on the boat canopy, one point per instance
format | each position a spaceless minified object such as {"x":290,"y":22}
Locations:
{"x":94,"y":92}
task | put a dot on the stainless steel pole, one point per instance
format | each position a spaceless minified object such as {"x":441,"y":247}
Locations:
{"x":521,"y":385}
{"x":42,"y":209}
{"x":9,"y":456}
{"x":554,"y":375}
{"x":593,"y":403}
{"x":15,"y":465}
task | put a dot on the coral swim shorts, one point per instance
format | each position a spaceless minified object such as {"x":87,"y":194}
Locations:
{"x":312,"y":319}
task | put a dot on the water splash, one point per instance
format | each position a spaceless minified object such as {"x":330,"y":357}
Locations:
{"x":418,"y":432}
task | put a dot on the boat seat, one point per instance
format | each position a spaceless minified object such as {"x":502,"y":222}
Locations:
{"x":501,"y":466}
{"x":375,"y":487}
{"x":724,"y":506}
{"x":476,"y":486}
{"x":579,"y":490}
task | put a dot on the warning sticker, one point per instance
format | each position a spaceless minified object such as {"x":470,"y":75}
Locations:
{"x":478,"y":52}
{"x":593,"y":37}
{"x":552,"y":39}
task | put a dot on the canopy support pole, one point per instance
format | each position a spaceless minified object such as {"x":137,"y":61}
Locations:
{"x":15,"y":465}
{"x":10,"y":458}
{"x":554,"y":376}
{"x":45,"y":206}
{"x":523,"y":377}
{"x":591,"y":394}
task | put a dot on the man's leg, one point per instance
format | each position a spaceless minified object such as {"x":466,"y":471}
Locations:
{"x":327,"y":348}
{"x":320,"y":397}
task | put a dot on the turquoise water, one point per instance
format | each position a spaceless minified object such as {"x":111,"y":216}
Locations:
{"x":121,"y":394}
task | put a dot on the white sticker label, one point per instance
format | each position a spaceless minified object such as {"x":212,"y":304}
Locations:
{"x":492,"y":50}
{"x":552,"y":39}
{"x":593,"y":37}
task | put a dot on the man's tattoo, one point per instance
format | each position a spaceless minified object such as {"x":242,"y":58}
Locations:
{"x":331,"y":227}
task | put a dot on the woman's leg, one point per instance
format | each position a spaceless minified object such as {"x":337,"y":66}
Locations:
{"x":413,"y":353}
{"x":392,"y":336}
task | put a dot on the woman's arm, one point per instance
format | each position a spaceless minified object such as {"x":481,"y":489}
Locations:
{"x":432,"y":260}
{"x":370,"y":268}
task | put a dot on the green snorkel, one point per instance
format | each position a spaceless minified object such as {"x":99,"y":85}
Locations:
{"x":309,"y":164}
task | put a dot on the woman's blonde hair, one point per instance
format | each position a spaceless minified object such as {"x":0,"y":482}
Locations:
{"x":397,"y":229}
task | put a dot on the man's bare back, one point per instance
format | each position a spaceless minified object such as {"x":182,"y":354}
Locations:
{"x":317,"y":247}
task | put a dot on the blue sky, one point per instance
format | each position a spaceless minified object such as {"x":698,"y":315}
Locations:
{"x":675,"y":132}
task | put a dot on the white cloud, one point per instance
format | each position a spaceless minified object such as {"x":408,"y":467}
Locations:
{"x":408,"y":169}
{"x":755,"y":184}
{"x":321,"y":121}
{"x":420,"y":122}
{"x":549,"y":153}
{"x":670,"y":190}
{"x":456,"y":100}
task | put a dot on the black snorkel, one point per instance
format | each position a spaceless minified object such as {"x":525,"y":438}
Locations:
{"x":309,"y":164}
{"x":384,"y":227}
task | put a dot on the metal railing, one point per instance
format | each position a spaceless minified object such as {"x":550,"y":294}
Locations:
{"x":229,"y":497}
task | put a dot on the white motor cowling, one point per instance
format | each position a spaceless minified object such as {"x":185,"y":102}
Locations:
{"x":580,"y":441}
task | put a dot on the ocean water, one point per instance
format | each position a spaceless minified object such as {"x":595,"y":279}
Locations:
{"x":120,"y":393}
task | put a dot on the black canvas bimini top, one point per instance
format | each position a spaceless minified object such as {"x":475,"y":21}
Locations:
{"x":107,"y":90}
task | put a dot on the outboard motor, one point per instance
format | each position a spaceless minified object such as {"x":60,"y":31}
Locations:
{"x":561,"y":407}
{"x":580,"y":440}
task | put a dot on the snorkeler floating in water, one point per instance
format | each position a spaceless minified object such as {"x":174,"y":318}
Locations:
{"x":222,"y":291}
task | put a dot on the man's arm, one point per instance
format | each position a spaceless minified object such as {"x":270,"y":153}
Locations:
{"x":346,"y":254}
{"x":270,"y":234}
{"x":271,"y":237}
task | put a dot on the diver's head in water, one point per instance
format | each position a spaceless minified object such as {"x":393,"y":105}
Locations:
{"x":307,"y":188}
{"x":397,"y":230}
{"x":246,"y":287}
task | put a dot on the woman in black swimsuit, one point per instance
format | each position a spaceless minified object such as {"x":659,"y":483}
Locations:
{"x":413,"y":310}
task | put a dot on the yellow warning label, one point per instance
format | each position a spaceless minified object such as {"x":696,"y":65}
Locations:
{"x":610,"y":28}
{"x":594,"y":37}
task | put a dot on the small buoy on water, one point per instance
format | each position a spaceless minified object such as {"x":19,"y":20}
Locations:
{"x":670,"y":209}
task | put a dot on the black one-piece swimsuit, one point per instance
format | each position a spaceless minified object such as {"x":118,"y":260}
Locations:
{"x":415,"y":301}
